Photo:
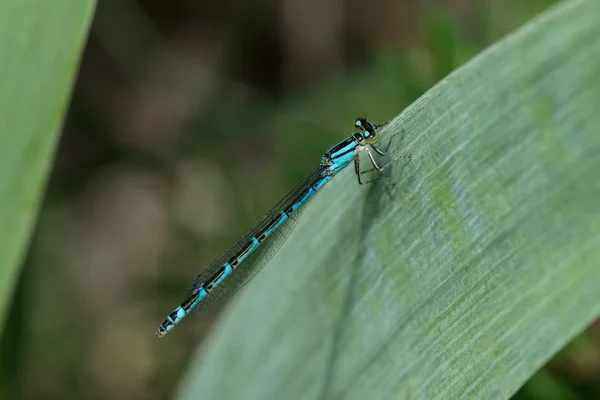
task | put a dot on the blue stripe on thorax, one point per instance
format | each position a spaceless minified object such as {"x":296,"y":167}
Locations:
{"x":341,"y":154}
{"x":342,"y":148}
{"x":341,"y":162}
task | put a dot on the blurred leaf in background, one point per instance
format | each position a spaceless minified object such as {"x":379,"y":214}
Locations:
{"x":40,"y":46}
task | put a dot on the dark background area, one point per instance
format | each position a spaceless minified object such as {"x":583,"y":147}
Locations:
{"x":190,"y":119}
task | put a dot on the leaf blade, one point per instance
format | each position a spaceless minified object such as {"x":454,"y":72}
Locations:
{"x":465,"y":279}
{"x":40,"y":43}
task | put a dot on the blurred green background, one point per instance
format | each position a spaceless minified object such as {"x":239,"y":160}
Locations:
{"x":190,"y":119}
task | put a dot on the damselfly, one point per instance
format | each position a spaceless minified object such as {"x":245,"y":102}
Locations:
{"x":238,"y":264}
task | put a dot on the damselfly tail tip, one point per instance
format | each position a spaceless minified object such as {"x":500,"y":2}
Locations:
{"x":163,"y":329}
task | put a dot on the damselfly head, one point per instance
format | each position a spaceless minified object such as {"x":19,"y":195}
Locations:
{"x":368,"y":129}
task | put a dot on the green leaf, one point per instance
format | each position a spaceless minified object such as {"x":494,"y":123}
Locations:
{"x":463,"y":278}
{"x":40,"y":45}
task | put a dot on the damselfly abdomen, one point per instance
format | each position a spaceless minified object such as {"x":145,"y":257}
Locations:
{"x":250,"y":253}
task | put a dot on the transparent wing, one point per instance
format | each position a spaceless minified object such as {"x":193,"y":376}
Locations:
{"x":253,"y":264}
{"x":261,"y":255}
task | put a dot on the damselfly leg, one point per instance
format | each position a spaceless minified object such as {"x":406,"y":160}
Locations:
{"x":374,"y":163}
{"x":376,"y":166}
{"x":384,"y":152}
{"x":358,"y":172}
